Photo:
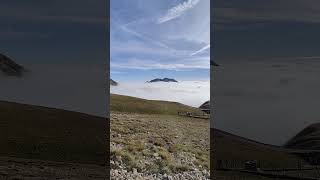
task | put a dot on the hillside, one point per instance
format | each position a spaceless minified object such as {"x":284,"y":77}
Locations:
{"x":231,"y":147}
{"x":149,"y":140}
{"x":28,"y":131}
{"x":307,"y":139}
{"x":151,"y":146}
{"x":9,"y":67}
{"x":132,"y":104}
{"x":205,"y":105}
{"x":34,"y":169}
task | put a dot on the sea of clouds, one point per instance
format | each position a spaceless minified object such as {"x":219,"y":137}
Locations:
{"x":83,"y":88}
{"x":268,"y":101}
{"x":192,"y":93}
{"x":80,"y":88}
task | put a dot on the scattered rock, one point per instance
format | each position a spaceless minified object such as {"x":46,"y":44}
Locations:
{"x":155,"y":154}
{"x":135,"y":171}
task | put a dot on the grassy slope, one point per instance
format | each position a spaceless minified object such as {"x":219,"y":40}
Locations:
{"x":172,"y":135}
{"x":44,"y":133}
{"x":145,"y":124}
{"x":122,"y":103}
{"x":231,"y":147}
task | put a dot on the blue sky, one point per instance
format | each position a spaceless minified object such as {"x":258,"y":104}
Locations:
{"x":262,"y":30}
{"x":167,"y":38}
{"x":54,"y":31}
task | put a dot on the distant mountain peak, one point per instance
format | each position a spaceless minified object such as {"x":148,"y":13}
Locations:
{"x":9,"y":67}
{"x":113,"y":83}
{"x":162,"y":80}
{"x":212,"y":63}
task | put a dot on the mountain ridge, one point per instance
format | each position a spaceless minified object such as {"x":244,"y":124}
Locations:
{"x":113,"y":83}
{"x":307,"y":139}
{"x":10,"y":68}
{"x":162,"y":80}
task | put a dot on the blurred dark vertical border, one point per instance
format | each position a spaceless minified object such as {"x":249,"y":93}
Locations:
{"x":211,"y":91}
{"x":36,"y":136}
{"x":108,"y":84}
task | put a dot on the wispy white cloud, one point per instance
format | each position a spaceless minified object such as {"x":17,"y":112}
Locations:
{"x":188,"y":64}
{"x":144,"y":47}
{"x":117,"y":72}
{"x":201,"y":50}
{"x":177,"y":11}
{"x":138,"y":42}
{"x":138,"y":47}
{"x":158,"y":43}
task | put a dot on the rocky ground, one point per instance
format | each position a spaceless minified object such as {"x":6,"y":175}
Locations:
{"x":159,"y":147}
{"x":26,"y":169}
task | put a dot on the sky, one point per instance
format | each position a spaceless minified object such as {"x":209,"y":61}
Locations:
{"x":54,"y":31}
{"x":64,"y":46}
{"x":269,"y":56}
{"x":157,"y":39}
{"x":252,"y":29}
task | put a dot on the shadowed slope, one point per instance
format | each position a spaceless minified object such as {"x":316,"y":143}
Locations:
{"x":51,"y":134}
{"x":307,"y":139}
{"x":231,"y":147}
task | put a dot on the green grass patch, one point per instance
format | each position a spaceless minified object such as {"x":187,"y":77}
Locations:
{"x":122,"y":103}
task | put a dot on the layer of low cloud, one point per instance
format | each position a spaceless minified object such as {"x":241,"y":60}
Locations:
{"x":187,"y":64}
{"x":270,"y":101}
{"x":80,"y":88}
{"x":192,"y":93}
